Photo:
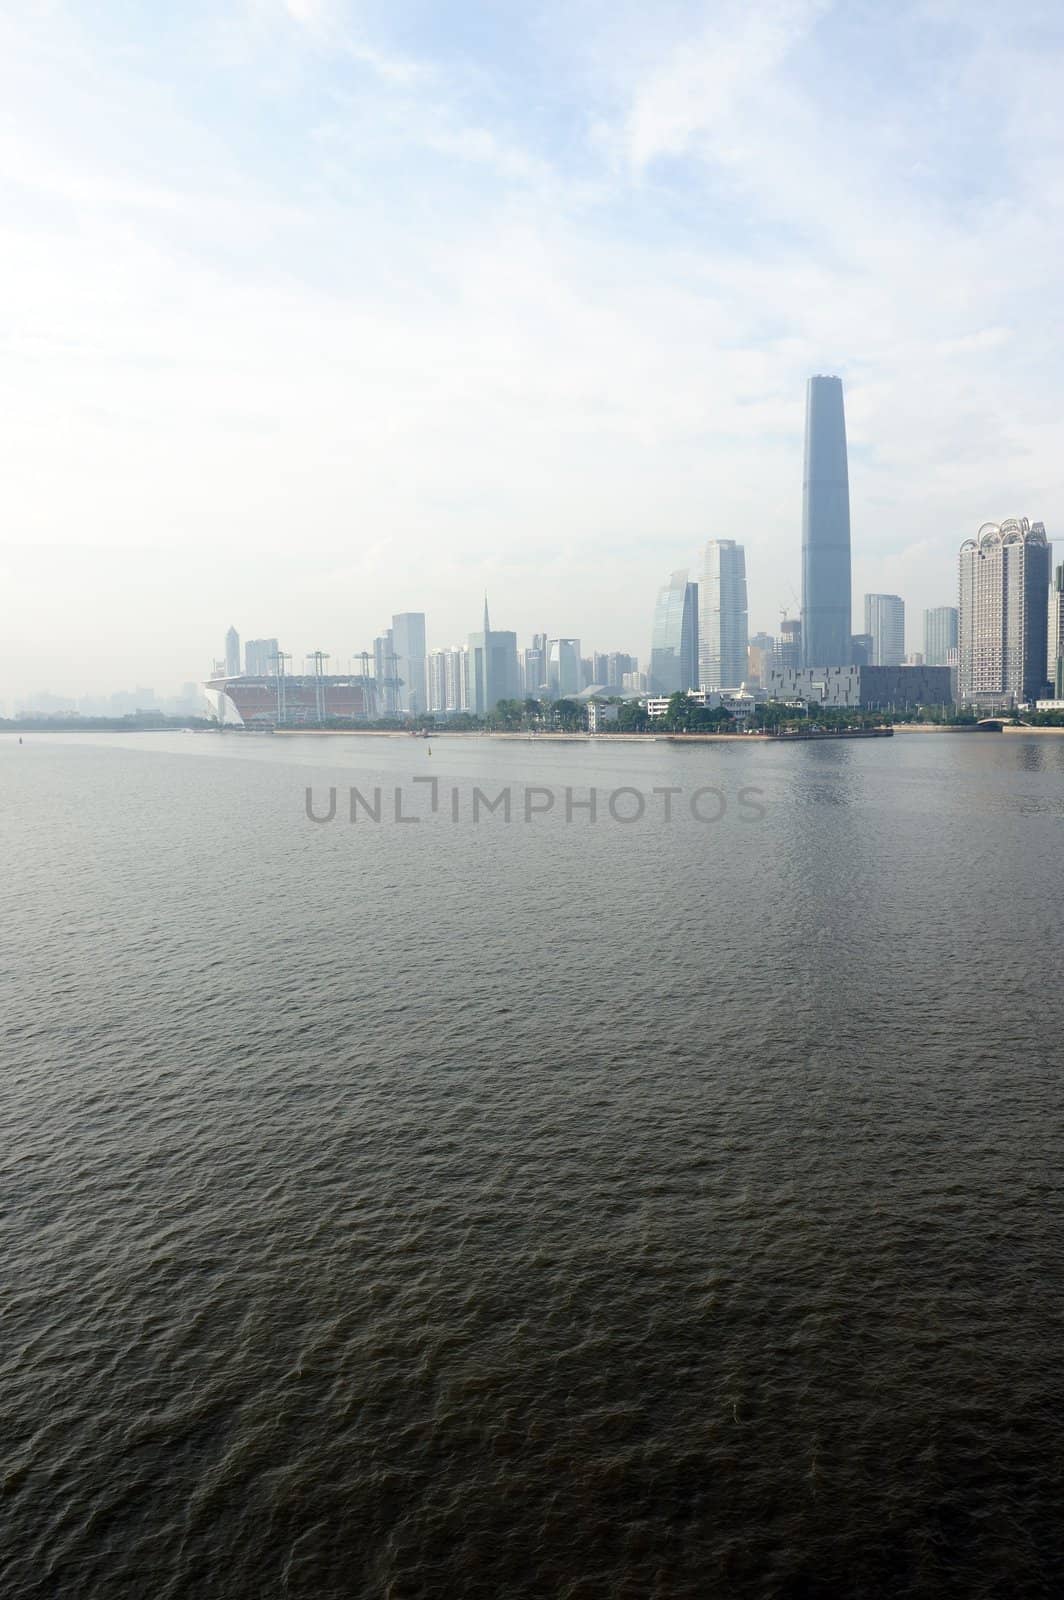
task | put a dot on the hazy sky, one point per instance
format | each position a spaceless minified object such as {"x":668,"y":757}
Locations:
{"x":314,"y":311}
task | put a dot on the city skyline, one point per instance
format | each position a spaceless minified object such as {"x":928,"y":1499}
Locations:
{"x":660,"y":221}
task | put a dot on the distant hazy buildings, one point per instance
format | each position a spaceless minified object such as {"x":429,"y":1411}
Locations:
{"x":940,"y":635}
{"x":260,"y":658}
{"x":826,"y":582}
{"x":884,"y":622}
{"x":861,"y":646}
{"x":674,"y":640}
{"x":492,"y":669}
{"x":787,"y":655}
{"x":232,"y":654}
{"x":722,"y":616}
{"x":1003,"y":612}
{"x":447,"y":672}
{"x":408,"y":642}
{"x":759,"y":657}
{"x":564,"y":670}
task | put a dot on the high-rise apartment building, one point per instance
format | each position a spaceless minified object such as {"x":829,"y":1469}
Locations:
{"x":674,"y":641}
{"x":1055,"y":662}
{"x":722,"y":616}
{"x":1003,"y":613}
{"x":232,"y":654}
{"x":447,"y":675}
{"x":564,"y":672}
{"x":260,"y":658}
{"x":826,"y":582}
{"x":884,"y":622}
{"x":408,"y":641}
{"x":940,"y":635}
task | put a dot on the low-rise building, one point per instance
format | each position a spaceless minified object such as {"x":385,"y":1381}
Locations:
{"x":863,"y":688}
{"x":739,"y":703}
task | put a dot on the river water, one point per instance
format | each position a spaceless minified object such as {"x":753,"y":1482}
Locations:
{"x":560,"y":1207}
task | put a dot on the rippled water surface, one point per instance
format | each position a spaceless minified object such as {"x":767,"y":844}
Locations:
{"x":607,"y":1210}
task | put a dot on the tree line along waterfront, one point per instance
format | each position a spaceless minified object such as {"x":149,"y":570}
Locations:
{"x":617,"y":715}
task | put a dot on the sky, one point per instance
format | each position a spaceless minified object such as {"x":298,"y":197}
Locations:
{"x":315,"y":311}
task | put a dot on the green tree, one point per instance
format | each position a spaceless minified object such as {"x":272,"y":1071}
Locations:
{"x":568,"y":715}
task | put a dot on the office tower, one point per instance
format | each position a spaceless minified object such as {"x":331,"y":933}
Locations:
{"x":492,"y":667}
{"x":861,"y":649}
{"x":1003,"y":612}
{"x":600,"y":668}
{"x":534,"y":670}
{"x":674,"y":641}
{"x":826,"y":596}
{"x":940,"y":635}
{"x":620,"y":663}
{"x":884,"y":622}
{"x":563,"y":667}
{"x":232,"y":654}
{"x":1055,"y":664}
{"x":260,"y":657}
{"x":408,"y":641}
{"x":788,"y":654}
{"x":722,"y":626}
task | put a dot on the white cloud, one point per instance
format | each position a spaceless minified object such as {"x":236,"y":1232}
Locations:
{"x":398,"y":340}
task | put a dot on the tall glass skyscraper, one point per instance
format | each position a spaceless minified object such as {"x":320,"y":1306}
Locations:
{"x":826,"y":591}
{"x":674,"y":641}
{"x":408,"y":642}
{"x":884,"y":622}
{"x":722,"y":620}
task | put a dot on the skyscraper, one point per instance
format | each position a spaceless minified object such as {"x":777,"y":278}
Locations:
{"x":674,"y":642}
{"x":492,"y":667}
{"x":826,"y":591}
{"x":884,"y":621}
{"x":260,"y":658}
{"x":1055,"y":664}
{"x":564,"y":675}
{"x":940,"y":635}
{"x":386,"y":674}
{"x":722,"y":617}
{"x":1003,"y":612}
{"x":408,"y":636}
{"x":232,"y":654}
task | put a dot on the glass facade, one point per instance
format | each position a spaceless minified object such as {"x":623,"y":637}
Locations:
{"x":674,"y":641}
{"x":723,"y":636}
{"x":940,"y":635}
{"x":826,"y":582}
